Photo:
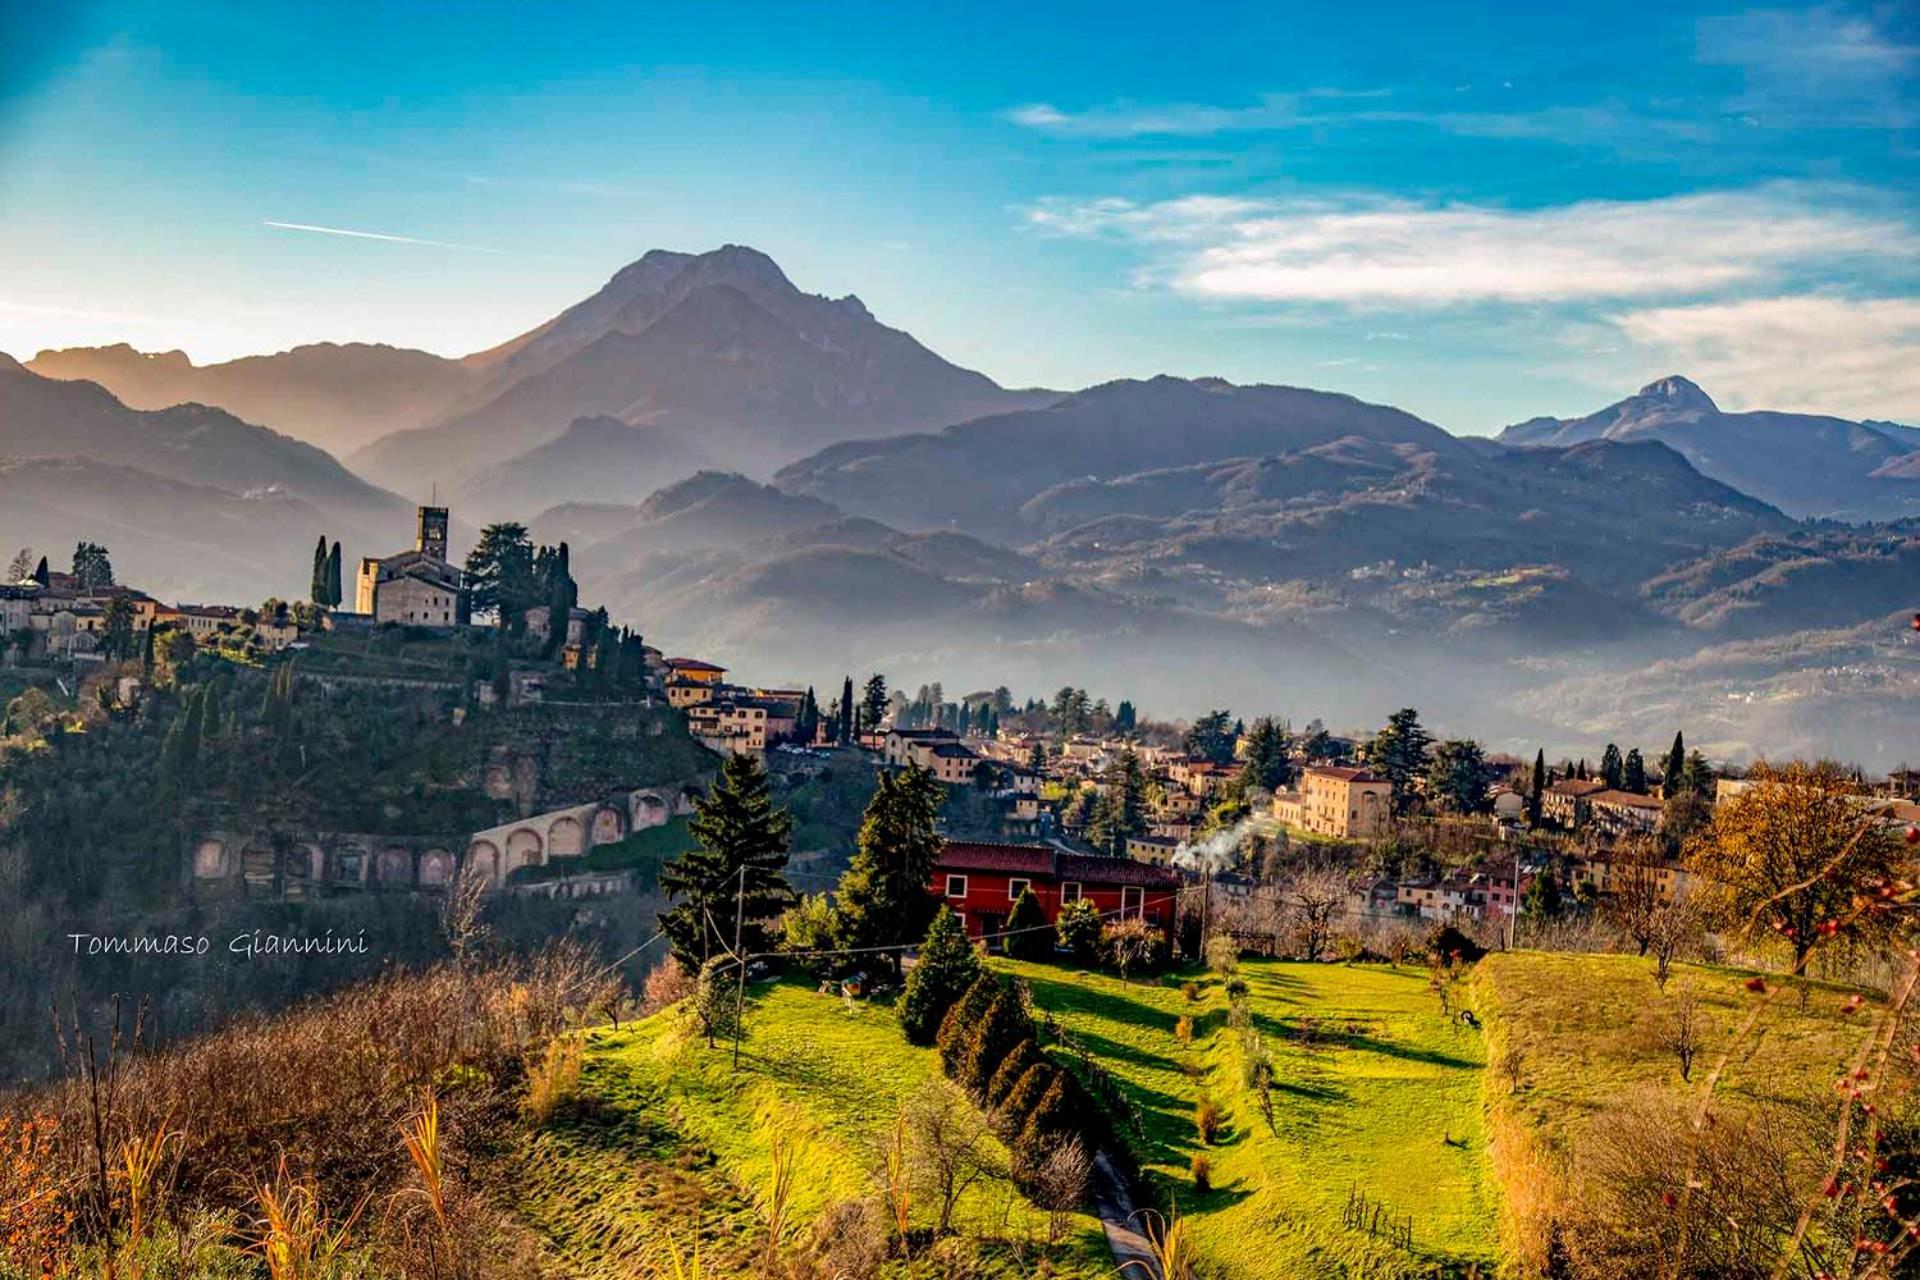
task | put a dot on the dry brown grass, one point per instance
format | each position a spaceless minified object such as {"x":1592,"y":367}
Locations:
{"x":392,"y":1094}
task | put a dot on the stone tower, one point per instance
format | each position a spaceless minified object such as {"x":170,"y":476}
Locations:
{"x":431,"y":531}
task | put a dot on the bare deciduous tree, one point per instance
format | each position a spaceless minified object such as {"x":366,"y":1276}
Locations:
{"x":1682,"y":1027}
{"x":1314,"y":901}
{"x":949,"y":1147}
{"x":1059,"y":1183}
{"x":462,"y":911}
{"x":1671,"y":928}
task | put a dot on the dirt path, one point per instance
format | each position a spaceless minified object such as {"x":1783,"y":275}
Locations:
{"x":1113,"y":1202}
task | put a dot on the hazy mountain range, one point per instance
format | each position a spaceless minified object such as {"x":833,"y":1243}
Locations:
{"x":779,"y":479}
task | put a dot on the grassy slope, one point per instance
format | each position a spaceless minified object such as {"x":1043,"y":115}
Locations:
{"x":1585,"y":1025}
{"x":673,"y":1142}
{"x":1371,"y":1102}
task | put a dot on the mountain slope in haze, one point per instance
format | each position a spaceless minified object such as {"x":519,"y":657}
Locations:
{"x":1805,"y":464}
{"x":594,"y":461}
{"x":179,"y":541}
{"x":339,"y":396}
{"x":190,"y":443}
{"x":718,"y":345}
{"x":978,"y":475}
{"x":1822,"y":577}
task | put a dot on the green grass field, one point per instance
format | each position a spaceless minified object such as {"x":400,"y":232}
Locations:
{"x":671,"y":1142}
{"x":1374,"y":1089}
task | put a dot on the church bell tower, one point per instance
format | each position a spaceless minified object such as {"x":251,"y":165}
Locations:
{"x":431,"y":531}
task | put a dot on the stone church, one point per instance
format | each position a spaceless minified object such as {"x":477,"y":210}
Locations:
{"x":416,"y":588}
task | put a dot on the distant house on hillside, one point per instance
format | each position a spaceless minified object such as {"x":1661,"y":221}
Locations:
{"x":980,"y":881}
{"x":902,"y":747}
{"x":1337,"y":801}
{"x":1564,"y":803}
{"x":1620,"y":813}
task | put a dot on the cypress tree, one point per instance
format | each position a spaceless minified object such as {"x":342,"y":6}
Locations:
{"x":846,"y":711}
{"x":334,"y":593}
{"x":1634,"y":772}
{"x":1673,"y":779}
{"x":1612,"y":768}
{"x":1536,"y":794}
{"x":317,"y":592}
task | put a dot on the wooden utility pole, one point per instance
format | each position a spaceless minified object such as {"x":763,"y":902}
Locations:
{"x":740,"y":989}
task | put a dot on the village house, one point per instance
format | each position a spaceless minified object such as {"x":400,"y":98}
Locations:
{"x":416,"y":588}
{"x":980,"y":882}
{"x":950,"y":762}
{"x":1622,"y":813}
{"x":1608,"y":873}
{"x":689,"y":681}
{"x":902,"y":747}
{"x":1564,"y":803}
{"x":728,"y":726}
{"x":1347,"y":804}
{"x":1157,"y":850}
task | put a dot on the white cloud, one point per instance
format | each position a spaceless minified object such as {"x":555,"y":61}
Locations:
{"x":1367,"y":251}
{"x":1829,"y":66}
{"x":1855,"y":357}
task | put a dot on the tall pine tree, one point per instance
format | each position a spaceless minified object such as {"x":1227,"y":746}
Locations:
{"x":1537,"y":789}
{"x":846,"y":712}
{"x":334,"y":592}
{"x":735,"y":874}
{"x":883,"y":899}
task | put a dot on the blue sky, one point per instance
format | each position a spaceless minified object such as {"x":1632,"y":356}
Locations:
{"x":1479,"y":214}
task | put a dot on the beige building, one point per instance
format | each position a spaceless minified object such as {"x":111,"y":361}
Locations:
{"x":727,"y":726}
{"x":415,"y":588}
{"x":1158,"y":850}
{"x":1340,"y":802}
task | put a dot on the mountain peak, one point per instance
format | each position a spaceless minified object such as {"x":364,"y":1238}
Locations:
{"x":1678,"y":393}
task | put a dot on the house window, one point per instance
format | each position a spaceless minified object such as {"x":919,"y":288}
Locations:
{"x":1133,"y":900}
{"x":1017,"y":887}
{"x":1070,"y":891}
{"x":956,"y":886}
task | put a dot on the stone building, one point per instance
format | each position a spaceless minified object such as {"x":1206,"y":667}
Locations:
{"x":418,"y":587}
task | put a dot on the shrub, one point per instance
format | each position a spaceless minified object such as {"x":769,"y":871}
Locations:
{"x":1026,"y":1094}
{"x":1206,"y":1120}
{"x":1079,"y":929}
{"x":1025,"y":1054}
{"x":552,"y":1079}
{"x":668,"y":984}
{"x":1183,"y":1032}
{"x":994,"y":1037}
{"x":1190,"y":990}
{"x":957,"y":1028}
{"x":1028,"y":937}
{"x":1201,"y":1169}
{"x":1134,"y":946}
{"x":948,"y":966}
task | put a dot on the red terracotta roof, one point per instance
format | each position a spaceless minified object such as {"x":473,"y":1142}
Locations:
{"x":1055,"y":864}
{"x":1344,"y":773}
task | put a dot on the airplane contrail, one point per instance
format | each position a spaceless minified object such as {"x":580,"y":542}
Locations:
{"x":377,"y":235}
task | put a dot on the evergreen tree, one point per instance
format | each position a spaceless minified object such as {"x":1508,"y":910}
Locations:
{"x":317,"y":590}
{"x":117,"y":640}
{"x":1037,"y":758}
{"x":1028,"y":935}
{"x":334,"y":592}
{"x":846,"y":712}
{"x":1633,"y":772}
{"x":42,"y":574}
{"x":1457,"y":776}
{"x":807,"y":722}
{"x":1697,"y":778}
{"x":500,"y":574}
{"x":1211,"y":737}
{"x":1125,"y":718}
{"x":1537,"y":788}
{"x":1266,"y":766}
{"x":91,"y":568}
{"x":946,"y":967}
{"x":1673,"y":776}
{"x":1121,"y":811}
{"x":883,"y":897}
{"x":1612,"y":767}
{"x":873,"y":702}
{"x":1542,"y":899}
{"x":739,"y":860}
{"x":1078,"y":927}
{"x":1398,"y":752}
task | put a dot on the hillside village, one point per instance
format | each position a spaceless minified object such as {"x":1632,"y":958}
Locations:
{"x":1234,"y":806}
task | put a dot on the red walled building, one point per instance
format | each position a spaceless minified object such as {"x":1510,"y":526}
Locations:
{"x":980,"y":882}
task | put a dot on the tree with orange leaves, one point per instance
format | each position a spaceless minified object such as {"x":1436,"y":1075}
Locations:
{"x":1800,"y":854}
